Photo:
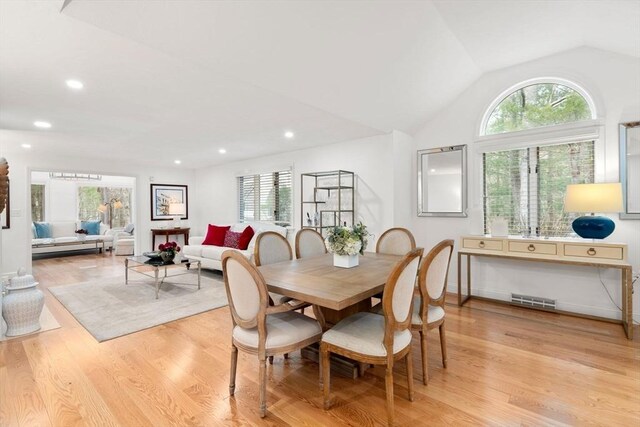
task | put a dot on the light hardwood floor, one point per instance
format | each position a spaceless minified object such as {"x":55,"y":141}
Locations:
{"x":507,"y":366}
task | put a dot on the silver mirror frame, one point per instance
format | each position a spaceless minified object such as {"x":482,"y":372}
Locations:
{"x":421,"y":183}
{"x":625,"y":214}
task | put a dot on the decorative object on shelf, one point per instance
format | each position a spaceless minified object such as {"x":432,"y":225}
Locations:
{"x":499,"y":227}
{"x":328,"y":199}
{"x":601,"y":198}
{"x":5,"y":218}
{"x":110,"y":206}
{"x":81,"y":233}
{"x":165,"y":195}
{"x":442,"y":181}
{"x":168,"y":251}
{"x":22,"y":305}
{"x":346,"y":243}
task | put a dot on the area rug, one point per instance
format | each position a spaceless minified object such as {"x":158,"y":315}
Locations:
{"x":108,"y":308}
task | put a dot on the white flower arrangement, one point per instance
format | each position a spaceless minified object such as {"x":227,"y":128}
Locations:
{"x":347,"y":240}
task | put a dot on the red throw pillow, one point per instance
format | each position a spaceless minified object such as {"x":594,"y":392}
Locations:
{"x":231,"y":240}
{"x":215,"y":235}
{"x":245,"y":238}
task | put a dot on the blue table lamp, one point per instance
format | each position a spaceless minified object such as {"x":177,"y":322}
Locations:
{"x":601,"y":198}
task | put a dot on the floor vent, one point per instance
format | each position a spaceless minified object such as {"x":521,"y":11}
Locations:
{"x":537,"y":302}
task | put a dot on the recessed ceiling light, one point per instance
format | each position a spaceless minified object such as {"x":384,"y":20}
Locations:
{"x":177,"y":162}
{"x":222,"y":151}
{"x":42,"y":125}
{"x":26,"y":145}
{"x":74,"y":84}
{"x":288,"y":134}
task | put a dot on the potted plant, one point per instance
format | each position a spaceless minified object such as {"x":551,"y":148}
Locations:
{"x":81,"y":233}
{"x":346,"y":243}
{"x":168,"y":251}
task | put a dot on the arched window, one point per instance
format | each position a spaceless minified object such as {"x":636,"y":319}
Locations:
{"x":525,"y":177}
{"x":536,"y":105}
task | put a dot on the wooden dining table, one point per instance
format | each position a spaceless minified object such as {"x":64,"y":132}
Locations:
{"x":334,"y":292}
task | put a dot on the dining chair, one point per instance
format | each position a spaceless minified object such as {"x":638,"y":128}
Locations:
{"x":396,"y":241}
{"x":258,"y":327}
{"x":272,"y":247}
{"x":428,"y":304}
{"x":309,"y":243}
{"x":374,"y":339}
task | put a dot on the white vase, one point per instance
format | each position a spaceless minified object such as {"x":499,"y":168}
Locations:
{"x":345,"y":261}
{"x":21,"y":309}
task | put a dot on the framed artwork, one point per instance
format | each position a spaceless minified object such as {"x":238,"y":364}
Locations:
{"x":165,"y":195}
{"x":5,"y":217}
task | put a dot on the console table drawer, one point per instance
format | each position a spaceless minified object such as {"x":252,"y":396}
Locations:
{"x":595,"y":251}
{"x":486,"y":244}
{"x":533,"y":248}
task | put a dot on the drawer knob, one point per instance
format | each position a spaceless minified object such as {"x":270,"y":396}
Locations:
{"x":531,"y":248}
{"x":481,"y":244}
{"x":591,"y":252}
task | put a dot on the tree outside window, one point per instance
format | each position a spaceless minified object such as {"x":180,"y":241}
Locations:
{"x":37,"y":202}
{"x":90,"y":198}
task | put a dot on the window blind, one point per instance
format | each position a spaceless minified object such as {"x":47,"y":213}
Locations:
{"x":527,"y":186}
{"x":266,"y":197}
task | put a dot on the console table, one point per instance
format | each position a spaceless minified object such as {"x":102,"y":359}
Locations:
{"x":571,"y":252}
{"x":169,"y":232}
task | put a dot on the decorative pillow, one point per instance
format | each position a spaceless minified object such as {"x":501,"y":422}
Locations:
{"x":92,"y":227}
{"x":129,"y":228}
{"x":232,"y":240}
{"x":43,"y":230}
{"x":215,"y":235}
{"x":245,"y":238}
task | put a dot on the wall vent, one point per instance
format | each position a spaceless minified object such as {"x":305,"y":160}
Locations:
{"x":535,"y":302}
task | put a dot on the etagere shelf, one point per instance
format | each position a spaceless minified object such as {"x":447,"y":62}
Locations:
{"x":328,"y":199}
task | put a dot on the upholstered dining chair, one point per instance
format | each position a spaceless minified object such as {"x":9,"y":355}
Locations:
{"x":428,"y":305}
{"x":396,"y":241}
{"x":258,"y":327}
{"x":272,"y":247}
{"x":374,"y":339}
{"x":309,"y":243}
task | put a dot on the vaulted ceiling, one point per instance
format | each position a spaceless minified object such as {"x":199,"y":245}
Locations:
{"x":197,"y":76}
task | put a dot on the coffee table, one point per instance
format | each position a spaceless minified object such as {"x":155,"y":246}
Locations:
{"x":142,"y":265}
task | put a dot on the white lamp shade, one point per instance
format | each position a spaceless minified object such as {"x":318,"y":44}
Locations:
{"x":102,"y":208}
{"x":117,"y":204}
{"x":601,"y":198}
{"x":177,"y":209}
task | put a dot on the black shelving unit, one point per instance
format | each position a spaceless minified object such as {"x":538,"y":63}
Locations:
{"x":328,"y":197}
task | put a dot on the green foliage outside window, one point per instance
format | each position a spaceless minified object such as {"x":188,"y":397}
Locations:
{"x":90,"y":198}
{"x":538,"y":105}
{"x":37,"y":202}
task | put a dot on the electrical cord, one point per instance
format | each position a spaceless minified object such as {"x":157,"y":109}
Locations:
{"x":633,"y":281}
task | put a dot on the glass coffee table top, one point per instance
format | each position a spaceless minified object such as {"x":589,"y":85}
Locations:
{"x":156,"y":262}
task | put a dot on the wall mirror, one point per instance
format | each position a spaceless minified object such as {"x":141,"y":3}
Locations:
{"x":442,"y":181}
{"x":630,"y":169}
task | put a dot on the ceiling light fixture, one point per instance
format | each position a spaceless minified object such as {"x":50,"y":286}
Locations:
{"x":42,"y":125}
{"x":222,"y":151}
{"x":288,"y":134}
{"x":74,"y":84}
{"x":26,"y":145}
{"x":177,"y":162}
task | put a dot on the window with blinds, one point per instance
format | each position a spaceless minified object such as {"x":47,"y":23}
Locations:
{"x":527,"y":186}
{"x":266,"y":197}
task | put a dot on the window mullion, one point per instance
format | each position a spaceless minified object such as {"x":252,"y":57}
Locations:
{"x":534,"y":202}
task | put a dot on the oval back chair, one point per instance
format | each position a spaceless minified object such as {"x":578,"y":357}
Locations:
{"x":309,"y":243}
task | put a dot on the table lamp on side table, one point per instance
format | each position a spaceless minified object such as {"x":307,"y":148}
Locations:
{"x":177,"y":210}
{"x":601,"y":198}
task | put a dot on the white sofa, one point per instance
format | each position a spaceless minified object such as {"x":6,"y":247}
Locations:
{"x":210,"y":256}
{"x":63,"y":239}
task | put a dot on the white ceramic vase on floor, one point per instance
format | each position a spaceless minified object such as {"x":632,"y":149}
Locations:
{"x":22,"y":305}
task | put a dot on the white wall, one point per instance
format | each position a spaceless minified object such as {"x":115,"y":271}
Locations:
{"x":372,"y":160}
{"x":16,"y":241}
{"x":614,"y":82}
